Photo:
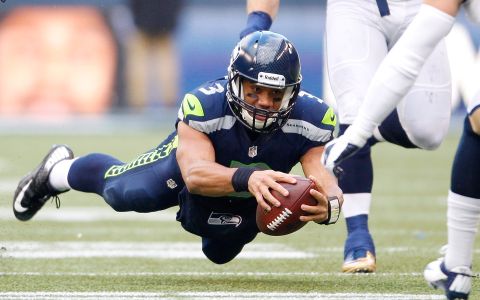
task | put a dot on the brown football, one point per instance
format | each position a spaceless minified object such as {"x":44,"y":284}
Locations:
{"x":284,"y":219}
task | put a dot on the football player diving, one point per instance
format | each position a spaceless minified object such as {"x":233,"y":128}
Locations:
{"x":235,"y":139}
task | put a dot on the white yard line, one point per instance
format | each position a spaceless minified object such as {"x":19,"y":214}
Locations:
{"x":209,"y":274}
{"x":23,"y":249}
{"x":209,"y":295}
{"x":91,"y":214}
{"x":166,"y":250}
{"x":162,"y":250}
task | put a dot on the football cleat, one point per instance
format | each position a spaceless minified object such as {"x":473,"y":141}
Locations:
{"x":361,"y":261}
{"x":359,"y":253}
{"x":34,"y":189}
{"x":456,"y":283}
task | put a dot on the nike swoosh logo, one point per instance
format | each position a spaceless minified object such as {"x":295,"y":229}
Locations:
{"x":332,"y":118}
{"x":18,"y":206}
{"x":192,"y":107}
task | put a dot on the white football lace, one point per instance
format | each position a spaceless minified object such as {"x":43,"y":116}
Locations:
{"x":279,"y":219}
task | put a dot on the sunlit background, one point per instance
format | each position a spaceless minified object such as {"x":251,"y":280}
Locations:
{"x":73,"y":59}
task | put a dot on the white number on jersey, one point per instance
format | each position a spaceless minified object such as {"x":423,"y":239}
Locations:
{"x":212,"y":90}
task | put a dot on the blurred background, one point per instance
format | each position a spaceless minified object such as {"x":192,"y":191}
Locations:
{"x":75,"y":60}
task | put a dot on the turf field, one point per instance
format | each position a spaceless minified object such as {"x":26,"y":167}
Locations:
{"x":84,"y":250}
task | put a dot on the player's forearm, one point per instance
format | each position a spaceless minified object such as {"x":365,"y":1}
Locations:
{"x":260,"y":15}
{"x":209,"y":179}
{"x":330,"y":184}
{"x":268,"y":6}
{"x":311,"y":166}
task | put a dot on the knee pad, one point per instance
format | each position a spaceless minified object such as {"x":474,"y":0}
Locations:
{"x":427,"y":136}
{"x":122,"y":198}
{"x":414,"y":135}
{"x":217,"y":257}
{"x":221,"y":251}
{"x":138,"y":192}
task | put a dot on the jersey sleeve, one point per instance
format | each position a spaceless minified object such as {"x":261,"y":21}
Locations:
{"x":203,"y":109}
{"x":312,"y":120}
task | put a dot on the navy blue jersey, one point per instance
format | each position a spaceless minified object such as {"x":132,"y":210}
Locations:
{"x":153,"y":181}
{"x":311,"y":124}
{"x":206,"y":109}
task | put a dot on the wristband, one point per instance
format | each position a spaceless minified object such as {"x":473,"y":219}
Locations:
{"x":240,"y":178}
{"x":333,"y":211}
{"x":257,"y":20}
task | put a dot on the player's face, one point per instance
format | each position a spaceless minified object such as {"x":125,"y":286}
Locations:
{"x":262,"y":97}
{"x":55,"y":61}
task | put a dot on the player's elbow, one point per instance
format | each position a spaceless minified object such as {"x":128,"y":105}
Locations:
{"x":192,"y":185}
{"x":193,"y":181}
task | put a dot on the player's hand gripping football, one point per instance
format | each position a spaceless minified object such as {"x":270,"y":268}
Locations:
{"x":323,"y":211}
{"x":261,"y":182}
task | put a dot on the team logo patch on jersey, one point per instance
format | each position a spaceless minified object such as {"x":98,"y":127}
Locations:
{"x":192,"y":106}
{"x":252,"y":151}
{"x":224,"y":219}
{"x":329,"y":118}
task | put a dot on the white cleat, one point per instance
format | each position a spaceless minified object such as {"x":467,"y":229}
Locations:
{"x":456,"y":283}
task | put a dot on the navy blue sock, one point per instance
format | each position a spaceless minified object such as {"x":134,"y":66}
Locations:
{"x":466,"y":164}
{"x":358,"y":170}
{"x":359,"y":222}
{"x":359,"y":239}
{"x":87,"y":173}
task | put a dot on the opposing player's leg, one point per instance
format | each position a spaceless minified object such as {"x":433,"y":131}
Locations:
{"x":149,"y":183}
{"x":424,"y":113}
{"x":453,"y":272}
{"x":359,"y":251}
{"x":355,"y":48}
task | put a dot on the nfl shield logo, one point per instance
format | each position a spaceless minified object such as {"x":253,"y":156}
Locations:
{"x":252,"y":151}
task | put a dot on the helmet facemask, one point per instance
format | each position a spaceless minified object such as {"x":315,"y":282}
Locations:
{"x":255,"y":118}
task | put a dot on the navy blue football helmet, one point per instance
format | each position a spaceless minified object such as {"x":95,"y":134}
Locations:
{"x":267,"y":59}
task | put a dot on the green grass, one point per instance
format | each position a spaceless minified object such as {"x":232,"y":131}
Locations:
{"x":408,"y":223}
